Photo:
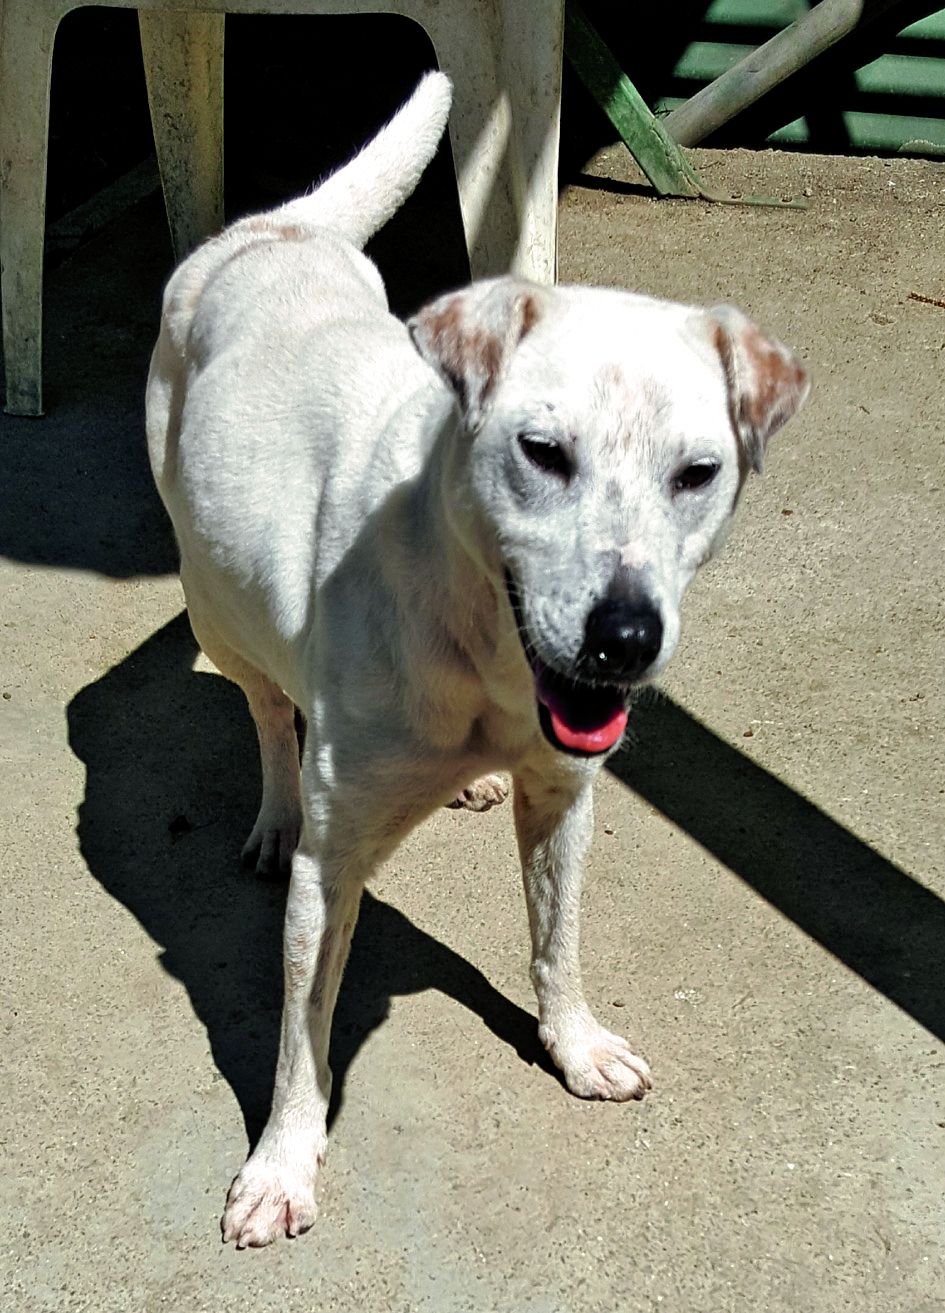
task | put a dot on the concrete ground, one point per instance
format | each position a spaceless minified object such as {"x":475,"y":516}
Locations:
{"x":763,"y":912}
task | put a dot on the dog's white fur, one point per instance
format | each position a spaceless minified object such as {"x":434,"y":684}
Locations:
{"x":351,"y":496}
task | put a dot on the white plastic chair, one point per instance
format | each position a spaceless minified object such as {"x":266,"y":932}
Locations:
{"x":504,"y":57}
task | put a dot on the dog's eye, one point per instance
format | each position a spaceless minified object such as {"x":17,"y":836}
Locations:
{"x":698,"y":475}
{"x":545,"y":455}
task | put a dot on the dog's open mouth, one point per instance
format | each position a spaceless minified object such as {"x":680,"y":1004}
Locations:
{"x":580,"y":718}
{"x":576,"y":717}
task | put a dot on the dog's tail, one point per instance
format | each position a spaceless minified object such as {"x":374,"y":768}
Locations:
{"x":354,"y":202}
{"x":368,"y":190}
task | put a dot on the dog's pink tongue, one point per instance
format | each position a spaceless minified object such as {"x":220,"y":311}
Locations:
{"x":582,"y":719}
{"x":598,"y":739}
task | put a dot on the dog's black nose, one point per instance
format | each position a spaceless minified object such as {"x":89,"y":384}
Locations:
{"x":621,"y":639}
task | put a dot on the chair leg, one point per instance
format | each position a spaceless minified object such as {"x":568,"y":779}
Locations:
{"x":505,"y":60}
{"x":532,"y":55}
{"x":27,"y":35}
{"x":465,"y":42}
{"x":183,"y":64}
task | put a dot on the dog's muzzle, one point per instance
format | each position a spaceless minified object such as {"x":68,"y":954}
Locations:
{"x":585,"y":713}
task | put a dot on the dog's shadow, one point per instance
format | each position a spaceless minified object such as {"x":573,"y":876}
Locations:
{"x":171,"y":791}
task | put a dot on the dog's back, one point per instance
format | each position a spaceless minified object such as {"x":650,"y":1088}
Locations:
{"x":251,"y":314}
{"x":249,"y":437}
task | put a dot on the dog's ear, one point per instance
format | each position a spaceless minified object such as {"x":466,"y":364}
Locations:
{"x":469,"y":336}
{"x":767,"y":383}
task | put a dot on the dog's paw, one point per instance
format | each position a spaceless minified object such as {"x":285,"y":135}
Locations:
{"x":268,"y":1200}
{"x":482,"y":794}
{"x":268,"y":850}
{"x":596,"y":1064}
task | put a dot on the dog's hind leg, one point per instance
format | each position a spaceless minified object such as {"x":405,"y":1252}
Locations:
{"x":554,"y":820}
{"x":275,"y":835}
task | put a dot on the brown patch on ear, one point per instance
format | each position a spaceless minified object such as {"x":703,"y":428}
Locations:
{"x":778,"y":377}
{"x":462,"y":353}
{"x":766,"y":381}
{"x":441,"y":329}
{"x":469,"y":336}
{"x":530,"y":314}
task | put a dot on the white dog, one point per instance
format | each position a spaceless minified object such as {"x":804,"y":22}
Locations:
{"x":456,"y":546}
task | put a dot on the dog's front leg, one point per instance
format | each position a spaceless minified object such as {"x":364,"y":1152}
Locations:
{"x":554,"y":821}
{"x":274,"y":1194}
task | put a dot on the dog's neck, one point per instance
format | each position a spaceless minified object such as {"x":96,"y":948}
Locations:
{"x":459,"y":606}
{"x":452,"y":548}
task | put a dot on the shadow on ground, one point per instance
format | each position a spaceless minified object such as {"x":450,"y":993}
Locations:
{"x":874,"y":917}
{"x":77,"y":489}
{"x":171,"y":791}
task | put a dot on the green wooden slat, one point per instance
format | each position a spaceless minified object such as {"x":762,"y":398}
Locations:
{"x":779,"y":13}
{"x":888,"y":132}
{"x":866,"y":131}
{"x":756,"y":13}
{"x":792,"y":134}
{"x":931,"y":28}
{"x":704,"y":61}
{"x":903,"y":75}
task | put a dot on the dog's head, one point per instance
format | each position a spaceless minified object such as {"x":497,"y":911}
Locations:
{"x":608,"y":438}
